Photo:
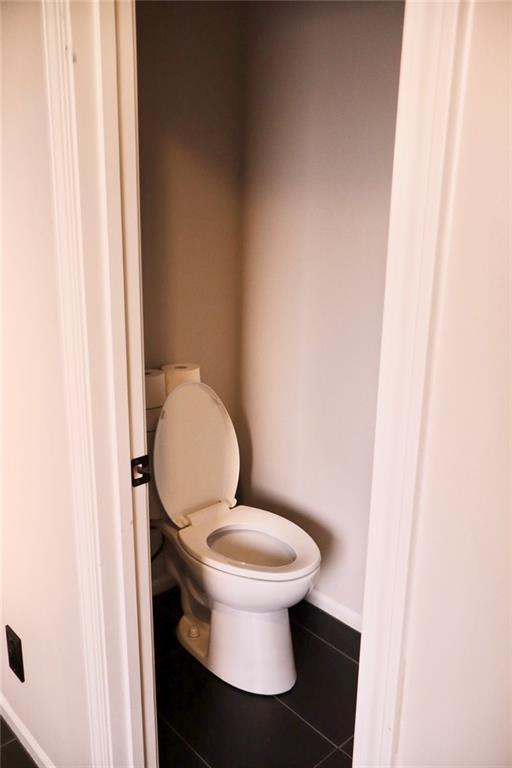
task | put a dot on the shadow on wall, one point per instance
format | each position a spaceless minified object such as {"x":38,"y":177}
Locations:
{"x":252,"y":496}
{"x":322,"y":86}
{"x":190,"y":170}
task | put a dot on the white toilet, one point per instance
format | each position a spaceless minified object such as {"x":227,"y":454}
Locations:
{"x":239,"y":568}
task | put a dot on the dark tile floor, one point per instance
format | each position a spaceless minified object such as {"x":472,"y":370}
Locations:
{"x":12,"y":754}
{"x":205,"y":722}
{"x":202,"y":721}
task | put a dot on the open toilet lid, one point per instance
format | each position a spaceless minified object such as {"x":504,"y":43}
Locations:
{"x":195,"y":456}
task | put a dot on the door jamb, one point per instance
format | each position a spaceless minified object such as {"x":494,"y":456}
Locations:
{"x":435,"y":43}
{"x":93,"y":165}
{"x":126,"y":47}
{"x":80,"y":49}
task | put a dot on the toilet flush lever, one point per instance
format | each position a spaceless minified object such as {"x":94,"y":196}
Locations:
{"x":140,"y":471}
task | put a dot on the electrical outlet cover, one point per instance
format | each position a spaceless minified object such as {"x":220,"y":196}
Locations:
{"x":15,"y":653}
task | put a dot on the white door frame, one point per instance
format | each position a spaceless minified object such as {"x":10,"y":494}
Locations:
{"x":434,"y":42}
{"x":93,"y":158}
{"x":129,"y":153}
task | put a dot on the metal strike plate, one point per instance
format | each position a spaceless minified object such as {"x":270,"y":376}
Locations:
{"x":140,"y":471}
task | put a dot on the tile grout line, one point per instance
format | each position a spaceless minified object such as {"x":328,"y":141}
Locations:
{"x":306,"y":722}
{"x":336,"y":747}
{"x":345,"y":742}
{"x":14,"y":738}
{"x":323,"y":640}
{"x":183,"y":739}
{"x":322,"y":761}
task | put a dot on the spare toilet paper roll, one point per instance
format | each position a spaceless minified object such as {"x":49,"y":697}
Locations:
{"x":155,"y":388}
{"x":180,"y":373}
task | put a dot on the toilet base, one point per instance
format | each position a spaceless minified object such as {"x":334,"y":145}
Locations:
{"x":251,"y":651}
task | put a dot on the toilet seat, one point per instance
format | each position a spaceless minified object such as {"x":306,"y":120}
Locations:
{"x":196,"y":465}
{"x":283,"y":538}
{"x":195,"y":456}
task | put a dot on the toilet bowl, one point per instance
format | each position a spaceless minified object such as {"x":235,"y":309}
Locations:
{"x":239,"y":568}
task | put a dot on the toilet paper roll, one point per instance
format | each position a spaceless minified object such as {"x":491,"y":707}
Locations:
{"x":180,"y":373}
{"x":155,"y":388}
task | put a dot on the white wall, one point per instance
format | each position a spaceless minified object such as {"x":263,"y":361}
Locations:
{"x":322,"y":96}
{"x":39,"y":579}
{"x":457,"y":691}
{"x":68,"y":570}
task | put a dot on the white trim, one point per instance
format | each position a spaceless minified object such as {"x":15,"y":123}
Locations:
{"x":434,"y":42}
{"x":20,"y":730}
{"x":86,"y":180}
{"x":339,"y":611}
{"x":69,"y":247}
{"x":116,"y":383}
{"x":128,"y":139}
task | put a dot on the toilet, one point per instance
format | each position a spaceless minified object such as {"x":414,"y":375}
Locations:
{"x":239,"y":568}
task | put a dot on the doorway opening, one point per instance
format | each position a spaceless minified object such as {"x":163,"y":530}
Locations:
{"x":266,"y":145}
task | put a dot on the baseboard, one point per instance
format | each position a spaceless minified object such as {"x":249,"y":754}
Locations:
{"x":340,"y":612}
{"x":20,"y":730}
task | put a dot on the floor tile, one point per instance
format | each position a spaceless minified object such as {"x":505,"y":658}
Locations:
{"x":336,"y":633}
{"x":325,"y":691}
{"x":170,"y":600}
{"x":166,"y":614}
{"x":230,"y":728}
{"x":173,"y":752}
{"x":348,"y":747}
{"x":5,"y":732}
{"x":14,"y":756}
{"x":336,"y":760}
{"x":164,"y":632}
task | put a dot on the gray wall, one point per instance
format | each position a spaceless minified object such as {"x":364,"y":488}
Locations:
{"x":190,"y":91}
{"x":323,"y":81}
{"x":266,"y":153}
